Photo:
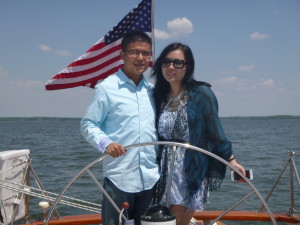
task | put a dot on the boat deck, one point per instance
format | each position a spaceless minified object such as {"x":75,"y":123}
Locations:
{"x":247,"y":216}
{"x":200,"y":216}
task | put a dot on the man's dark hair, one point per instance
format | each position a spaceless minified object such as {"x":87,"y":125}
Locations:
{"x":135,"y":36}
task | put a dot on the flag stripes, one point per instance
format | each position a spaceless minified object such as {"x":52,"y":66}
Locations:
{"x":103,"y":58}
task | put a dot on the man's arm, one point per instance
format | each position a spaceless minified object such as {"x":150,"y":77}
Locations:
{"x":92,"y":121}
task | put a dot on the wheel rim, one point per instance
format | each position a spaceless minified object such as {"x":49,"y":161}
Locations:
{"x":86,"y":169}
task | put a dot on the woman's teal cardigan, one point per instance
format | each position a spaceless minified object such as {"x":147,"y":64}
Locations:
{"x":206,"y":132}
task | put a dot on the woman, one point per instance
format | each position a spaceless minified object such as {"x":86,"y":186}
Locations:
{"x":187,"y":112}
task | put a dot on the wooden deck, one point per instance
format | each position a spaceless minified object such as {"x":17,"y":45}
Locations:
{"x":72,"y":220}
{"x":200,"y":216}
{"x":247,"y":216}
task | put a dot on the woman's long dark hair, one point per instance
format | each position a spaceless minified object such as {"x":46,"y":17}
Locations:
{"x":162,"y":87}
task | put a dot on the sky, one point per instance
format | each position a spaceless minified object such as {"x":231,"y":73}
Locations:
{"x":249,"y":51}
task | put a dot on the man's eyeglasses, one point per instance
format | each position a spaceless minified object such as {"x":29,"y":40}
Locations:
{"x":136,"y":53}
{"x":177,"y":63}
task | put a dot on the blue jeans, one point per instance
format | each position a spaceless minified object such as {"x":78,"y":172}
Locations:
{"x":138,"y":204}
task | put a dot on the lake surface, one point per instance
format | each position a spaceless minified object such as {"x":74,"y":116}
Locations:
{"x":59,"y":152}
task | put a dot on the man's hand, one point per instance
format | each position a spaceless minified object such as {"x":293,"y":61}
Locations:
{"x":115,"y":150}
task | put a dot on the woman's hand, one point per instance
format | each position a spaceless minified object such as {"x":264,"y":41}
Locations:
{"x":240,"y":168}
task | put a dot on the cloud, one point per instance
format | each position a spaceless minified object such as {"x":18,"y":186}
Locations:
{"x":230,"y":79}
{"x":226,"y":80}
{"x":24,"y":97}
{"x":160,"y":34}
{"x":179,"y":27}
{"x":8,"y":81}
{"x":230,"y":84}
{"x":268,"y":82}
{"x":233,"y":83}
{"x":258,"y":36}
{"x":246,"y":68}
{"x":264,"y":83}
{"x":47,"y":48}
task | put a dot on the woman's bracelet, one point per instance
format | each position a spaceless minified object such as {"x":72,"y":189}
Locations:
{"x":233,"y":158}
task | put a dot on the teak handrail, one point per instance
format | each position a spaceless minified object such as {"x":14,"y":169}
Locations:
{"x":205,"y":215}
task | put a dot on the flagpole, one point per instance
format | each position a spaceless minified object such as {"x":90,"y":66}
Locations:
{"x":152,"y":27}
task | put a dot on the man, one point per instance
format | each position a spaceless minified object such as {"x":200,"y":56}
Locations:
{"x":122,"y":113}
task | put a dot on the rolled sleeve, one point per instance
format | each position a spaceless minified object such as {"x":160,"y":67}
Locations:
{"x":103,"y":144}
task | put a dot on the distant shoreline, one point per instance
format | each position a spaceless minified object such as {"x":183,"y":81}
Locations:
{"x":75,"y":118}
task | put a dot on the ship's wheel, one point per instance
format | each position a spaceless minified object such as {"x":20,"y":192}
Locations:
{"x":86,"y":169}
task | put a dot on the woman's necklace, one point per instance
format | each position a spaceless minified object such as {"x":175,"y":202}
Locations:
{"x":175,"y":103}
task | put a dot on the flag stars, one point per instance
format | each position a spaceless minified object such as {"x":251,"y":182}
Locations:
{"x":138,"y":19}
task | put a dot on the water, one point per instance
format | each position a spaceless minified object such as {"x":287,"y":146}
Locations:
{"x":59,"y":152}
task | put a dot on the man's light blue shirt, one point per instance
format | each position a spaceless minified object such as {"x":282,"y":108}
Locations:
{"x":124,"y":113}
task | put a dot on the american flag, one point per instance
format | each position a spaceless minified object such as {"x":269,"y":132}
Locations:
{"x":103,"y":58}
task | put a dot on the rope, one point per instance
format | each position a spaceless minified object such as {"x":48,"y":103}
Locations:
{"x":22,"y":189}
{"x":10,"y":168}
